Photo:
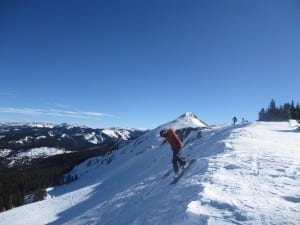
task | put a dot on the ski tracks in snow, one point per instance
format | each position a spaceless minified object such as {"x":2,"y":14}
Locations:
{"x":254,"y":181}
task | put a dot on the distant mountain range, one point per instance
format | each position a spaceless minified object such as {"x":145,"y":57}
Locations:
{"x":22,"y":142}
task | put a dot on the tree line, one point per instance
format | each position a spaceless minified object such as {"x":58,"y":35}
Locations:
{"x":280,"y":113}
{"x":17,"y":183}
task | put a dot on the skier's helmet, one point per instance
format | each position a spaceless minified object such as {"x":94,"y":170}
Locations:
{"x":163,"y":132}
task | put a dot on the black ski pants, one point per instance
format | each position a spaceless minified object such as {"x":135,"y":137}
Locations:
{"x":177,"y":159}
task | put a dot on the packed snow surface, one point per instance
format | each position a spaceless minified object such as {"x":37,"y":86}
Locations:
{"x":244,"y":174}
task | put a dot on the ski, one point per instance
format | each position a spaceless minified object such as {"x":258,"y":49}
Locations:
{"x":176,"y":179}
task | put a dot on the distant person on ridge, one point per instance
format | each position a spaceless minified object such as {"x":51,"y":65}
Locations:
{"x":234,"y":120}
{"x":176,"y":146}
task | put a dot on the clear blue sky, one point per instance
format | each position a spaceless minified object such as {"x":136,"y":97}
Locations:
{"x":145,"y":62}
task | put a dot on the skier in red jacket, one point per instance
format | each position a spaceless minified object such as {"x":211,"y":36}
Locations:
{"x":176,"y":146}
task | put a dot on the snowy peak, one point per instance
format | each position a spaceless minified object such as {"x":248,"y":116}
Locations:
{"x":186,"y":120}
{"x":187,"y":126}
{"x":188,"y":114}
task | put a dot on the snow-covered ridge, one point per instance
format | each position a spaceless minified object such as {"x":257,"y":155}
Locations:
{"x":70,"y":126}
{"x":123,"y":133}
{"x":33,"y":124}
{"x":21,"y":157}
{"x":5,"y":152}
{"x":42,"y":151}
{"x":244,"y":174}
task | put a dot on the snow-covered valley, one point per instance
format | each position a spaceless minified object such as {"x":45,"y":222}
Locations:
{"x":244,"y":174}
{"x":20,"y":143}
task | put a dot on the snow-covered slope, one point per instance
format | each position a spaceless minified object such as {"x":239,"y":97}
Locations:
{"x":21,"y":157}
{"x":244,"y":174}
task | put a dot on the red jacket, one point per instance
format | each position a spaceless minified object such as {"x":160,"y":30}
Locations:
{"x":174,"y":140}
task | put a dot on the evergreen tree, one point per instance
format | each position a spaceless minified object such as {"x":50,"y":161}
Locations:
{"x":282,"y":113}
{"x":39,"y":194}
{"x":272,"y":109}
{"x":292,"y":110}
{"x":297,"y":112}
{"x":262,"y":114}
